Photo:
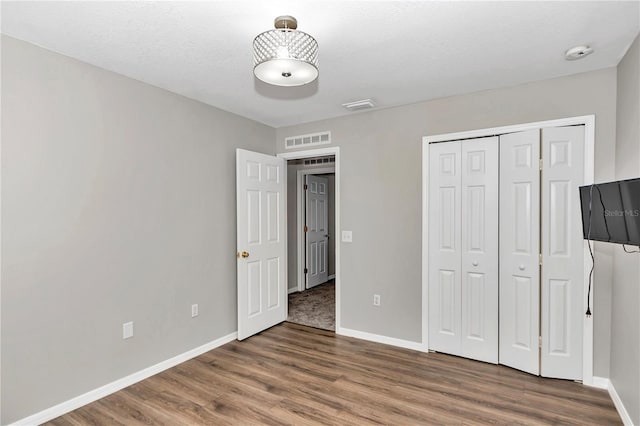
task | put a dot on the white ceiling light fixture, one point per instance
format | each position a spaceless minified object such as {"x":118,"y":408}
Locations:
{"x":285,"y":56}
{"x":577,"y":52}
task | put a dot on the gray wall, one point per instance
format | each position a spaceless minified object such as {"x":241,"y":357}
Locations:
{"x":625,"y":320}
{"x":381,"y":191}
{"x":118,"y":204}
{"x":292,"y":222}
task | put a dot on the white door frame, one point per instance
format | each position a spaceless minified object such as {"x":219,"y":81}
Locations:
{"x":323,"y":152}
{"x":589,"y":175}
{"x":300,"y":219}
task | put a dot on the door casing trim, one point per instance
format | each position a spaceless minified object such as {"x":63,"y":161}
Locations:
{"x":323,"y":152}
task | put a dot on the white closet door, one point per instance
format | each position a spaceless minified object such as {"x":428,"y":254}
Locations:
{"x":563,"y":303}
{"x":519,"y":250}
{"x":444,"y":247}
{"x":479,"y":260}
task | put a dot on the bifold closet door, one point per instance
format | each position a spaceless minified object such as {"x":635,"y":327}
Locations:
{"x":479,"y":273}
{"x":563,"y":298}
{"x":444,"y":247}
{"x":519,"y":250}
{"x":463,"y":248}
{"x":541,"y":251}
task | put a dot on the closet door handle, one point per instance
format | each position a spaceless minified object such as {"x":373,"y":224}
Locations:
{"x":474,"y":263}
{"x":521,"y":267}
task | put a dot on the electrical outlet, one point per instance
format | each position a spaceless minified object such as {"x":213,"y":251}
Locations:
{"x":127,"y":330}
{"x":347,"y":236}
{"x":194,"y":310}
{"x":376,"y":300}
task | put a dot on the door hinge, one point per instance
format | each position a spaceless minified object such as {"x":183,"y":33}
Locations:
{"x":306,"y":229}
{"x":540,"y":163}
{"x":306,"y":271}
{"x":305,"y":186}
{"x":540,"y":341}
{"x":540,"y":259}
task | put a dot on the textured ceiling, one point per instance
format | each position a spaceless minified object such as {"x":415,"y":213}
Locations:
{"x":394,"y":52}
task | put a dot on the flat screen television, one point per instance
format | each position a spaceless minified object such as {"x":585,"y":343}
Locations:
{"x":611,"y":211}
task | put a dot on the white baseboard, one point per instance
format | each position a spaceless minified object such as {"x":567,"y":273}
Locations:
{"x":604,"y":383}
{"x":331,"y":277}
{"x":93,"y":395}
{"x":416,"y":346}
{"x":622,"y":411}
{"x":599,"y":382}
{"x":292,"y":290}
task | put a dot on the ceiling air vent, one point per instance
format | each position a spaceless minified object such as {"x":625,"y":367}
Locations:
{"x":359,"y":105}
{"x":321,"y":138}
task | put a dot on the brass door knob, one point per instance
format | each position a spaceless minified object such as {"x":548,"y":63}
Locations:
{"x":243,"y":254}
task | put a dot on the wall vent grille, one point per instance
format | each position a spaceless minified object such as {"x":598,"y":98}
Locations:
{"x":322,"y":160}
{"x":321,"y":138}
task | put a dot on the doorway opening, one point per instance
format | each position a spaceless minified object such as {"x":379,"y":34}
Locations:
{"x":311,"y":245}
{"x":313,"y":283}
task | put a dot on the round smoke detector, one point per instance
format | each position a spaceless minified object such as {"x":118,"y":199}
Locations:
{"x":577,"y":52}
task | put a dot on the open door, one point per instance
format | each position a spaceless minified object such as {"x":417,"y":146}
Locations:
{"x":261,"y":241}
{"x":317,"y":220}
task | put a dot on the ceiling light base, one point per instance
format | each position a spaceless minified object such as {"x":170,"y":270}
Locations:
{"x":285,"y":22}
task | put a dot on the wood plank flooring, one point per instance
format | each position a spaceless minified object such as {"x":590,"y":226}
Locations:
{"x":292,"y":374}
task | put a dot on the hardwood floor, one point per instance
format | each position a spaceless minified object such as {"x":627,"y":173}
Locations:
{"x":292,"y":374}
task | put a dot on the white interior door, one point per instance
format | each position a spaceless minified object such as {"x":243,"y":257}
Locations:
{"x":479,"y":249}
{"x":519,"y":250}
{"x":317,"y":235}
{"x":563,"y":304}
{"x":445,"y":247}
{"x":261,"y":241}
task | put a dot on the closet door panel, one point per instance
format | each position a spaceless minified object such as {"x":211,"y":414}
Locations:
{"x":444,"y":247}
{"x":479,"y":257}
{"x":563,"y":301}
{"x":519,"y":250}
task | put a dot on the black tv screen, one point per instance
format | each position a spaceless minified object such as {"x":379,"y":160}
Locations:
{"x":611,"y":211}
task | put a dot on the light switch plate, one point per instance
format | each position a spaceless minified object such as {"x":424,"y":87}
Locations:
{"x":127,"y":330}
{"x":347,"y":236}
